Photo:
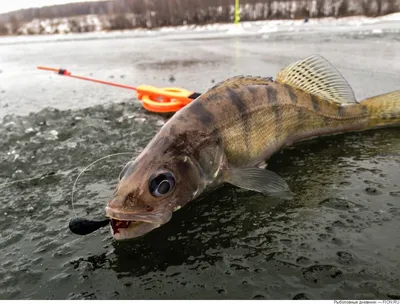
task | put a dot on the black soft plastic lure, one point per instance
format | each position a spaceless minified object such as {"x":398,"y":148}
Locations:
{"x":83,"y":226}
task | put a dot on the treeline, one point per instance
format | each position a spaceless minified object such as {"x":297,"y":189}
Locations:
{"x":127,"y":14}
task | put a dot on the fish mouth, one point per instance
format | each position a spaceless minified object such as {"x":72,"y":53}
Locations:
{"x":125,"y":225}
{"x":117,"y":224}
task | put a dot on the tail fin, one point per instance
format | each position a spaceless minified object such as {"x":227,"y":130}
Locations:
{"x":384,"y":110}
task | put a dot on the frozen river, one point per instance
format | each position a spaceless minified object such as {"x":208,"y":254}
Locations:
{"x":338,"y":239}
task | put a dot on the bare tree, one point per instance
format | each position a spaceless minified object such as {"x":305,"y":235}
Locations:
{"x":320,"y":8}
{"x":378,"y":8}
{"x":366,"y":7}
{"x":14,"y":25}
{"x":391,"y":7}
{"x":3,"y":29}
{"x":343,"y":8}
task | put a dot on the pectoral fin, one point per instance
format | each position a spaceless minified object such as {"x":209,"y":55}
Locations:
{"x":259,"y":180}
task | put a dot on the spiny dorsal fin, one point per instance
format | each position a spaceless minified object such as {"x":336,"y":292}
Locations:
{"x":237,"y":81}
{"x":316,"y":76}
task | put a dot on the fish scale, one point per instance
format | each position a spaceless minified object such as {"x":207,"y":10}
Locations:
{"x":260,"y":118}
{"x":226,"y":132}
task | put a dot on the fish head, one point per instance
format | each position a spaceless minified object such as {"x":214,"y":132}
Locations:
{"x":150,"y":189}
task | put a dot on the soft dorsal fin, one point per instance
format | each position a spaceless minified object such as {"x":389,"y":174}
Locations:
{"x":242,"y":80}
{"x":316,"y":76}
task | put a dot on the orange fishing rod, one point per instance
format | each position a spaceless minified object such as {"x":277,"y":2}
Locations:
{"x":160,"y":100}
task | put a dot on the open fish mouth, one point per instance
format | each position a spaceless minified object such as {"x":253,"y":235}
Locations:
{"x":123,"y":230}
{"x":129,"y":225}
{"x":116,"y":225}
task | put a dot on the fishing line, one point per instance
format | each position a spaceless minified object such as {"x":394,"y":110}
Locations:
{"x":5,"y":184}
{"x":87,"y":167}
{"x":59,"y":234}
{"x":79,"y":226}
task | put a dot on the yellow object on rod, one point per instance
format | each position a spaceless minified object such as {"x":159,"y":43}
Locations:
{"x":237,"y":13}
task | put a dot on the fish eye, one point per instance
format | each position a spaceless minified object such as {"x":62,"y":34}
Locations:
{"x":161,"y":183}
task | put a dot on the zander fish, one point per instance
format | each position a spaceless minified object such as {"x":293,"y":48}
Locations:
{"x":224,"y":135}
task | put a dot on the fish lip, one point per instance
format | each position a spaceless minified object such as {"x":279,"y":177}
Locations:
{"x":159,"y":217}
{"x":128,"y":233}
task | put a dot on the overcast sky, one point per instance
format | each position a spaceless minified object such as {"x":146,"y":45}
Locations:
{"x":12,"y":5}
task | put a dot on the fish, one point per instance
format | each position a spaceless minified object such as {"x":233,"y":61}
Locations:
{"x":229,"y":131}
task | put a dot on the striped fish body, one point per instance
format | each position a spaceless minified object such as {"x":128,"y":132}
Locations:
{"x":254,"y":121}
{"x":254,"y":117}
{"x":226,"y":132}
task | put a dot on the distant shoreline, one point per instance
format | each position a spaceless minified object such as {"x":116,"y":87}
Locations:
{"x":105,"y":16}
{"x":355,"y":26}
{"x":266,"y":26}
